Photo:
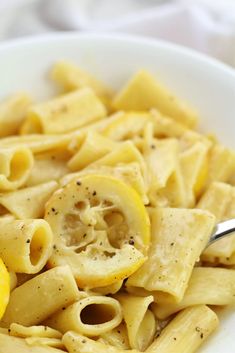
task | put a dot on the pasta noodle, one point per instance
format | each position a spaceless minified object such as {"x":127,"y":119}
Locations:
{"x":49,"y":166}
{"x":44,"y":341}
{"x":25,"y":309}
{"x":28,"y":202}
{"x":12,"y":113}
{"x":176,"y":246}
{"x":221,"y":163}
{"x":141,"y":327}
{"x":64,"y":114}
{"x":107,"y":203}
{"x":76,"y":343}
{"x":186,"y":332}
{"x":219,"y":199}
{"x":204,"y":287}
{"x":94,"y":147}
{"x":33,"y":331}
{"x":117,"y":337}
{"x":25,"y":246}
{"x":38,"y":143}
{"x":143,"y":92}
{"x":194,"y":164}
{"x":166,"y":183}
{"x":15,"y":166}
{"x":71,"y":77}
{"x":11,"y":344}
{"x":90,"y":316}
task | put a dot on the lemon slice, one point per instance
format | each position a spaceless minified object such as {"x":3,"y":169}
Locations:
{"x":101,"y":229}
{"x":4,"y":288}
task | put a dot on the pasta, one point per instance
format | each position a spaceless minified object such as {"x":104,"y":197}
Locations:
{"x":90,"y":316}
{"x":12,"y":113}
{"x":71,"y":77}
{"x":49,"y":166}
{"x":94,"y":147}
{"x":178,"y":238}
{"x":107,"y":203}
{"x":144,"y":92}
{"x":117,"y":337}
{"x":33,"y":331}
{"x":189,"y":328}
{"x":15,"y":166}
{"x":28,"y":202}
{"x":219,"y":199}
{"x":25,"y":309}
{"x":64,"y":114}
{"x":204,"y":287}
{"x":141,"y":327}
{"x":25,"y":246}
{"x":10,"y":344}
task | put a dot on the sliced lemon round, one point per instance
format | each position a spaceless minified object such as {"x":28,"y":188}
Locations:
{"x":101,"y":229}
{"x":4,"y":288}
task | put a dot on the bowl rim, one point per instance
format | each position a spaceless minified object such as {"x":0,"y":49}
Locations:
{"x":15,"y":43}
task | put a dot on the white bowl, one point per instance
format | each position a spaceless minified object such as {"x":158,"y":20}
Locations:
{"x":207,"y":84}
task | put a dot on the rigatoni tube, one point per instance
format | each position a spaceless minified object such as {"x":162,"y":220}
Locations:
{"x":186,"y":332}
{"x":25,"y":245}
{"x":76,"y":343}
{"x":178,"y":238}
{"x":11,"y":344}
{"x":15,"y":167}
{"x":140,"y":321}
{"x":90,"y":316}
{"x":207,"y":285}
{"x":40,"y":297}
{"x":65,"y":113}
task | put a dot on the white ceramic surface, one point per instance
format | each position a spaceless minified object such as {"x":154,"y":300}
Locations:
{"x":207,"y":84}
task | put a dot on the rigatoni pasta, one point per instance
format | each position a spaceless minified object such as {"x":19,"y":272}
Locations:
{"x":178,"y":238}
{"x":15,"y":166}
{"x":204,"y":287}
{"x":33,"y":331}
{"x":143,"y":92}
{"x":186,"y":332}
{"x":91,"y":316}
{"x":19,"y":345}
{"x":25,"y":245}
{"x":25,"y":309}
{"x":76,"y":343}
{"x":64,"y":114}
{"x":141,"y":327}
{"x":107,"y":205}
{"x":12,"y":113}
{"x":28,"y":202}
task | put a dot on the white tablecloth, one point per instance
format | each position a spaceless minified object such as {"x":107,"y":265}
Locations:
{"x":206,"y":25}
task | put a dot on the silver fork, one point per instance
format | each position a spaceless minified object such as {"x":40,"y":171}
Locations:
{"x":222,"y":229}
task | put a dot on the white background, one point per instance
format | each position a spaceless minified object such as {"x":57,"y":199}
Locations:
{"x":206,"y":25}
